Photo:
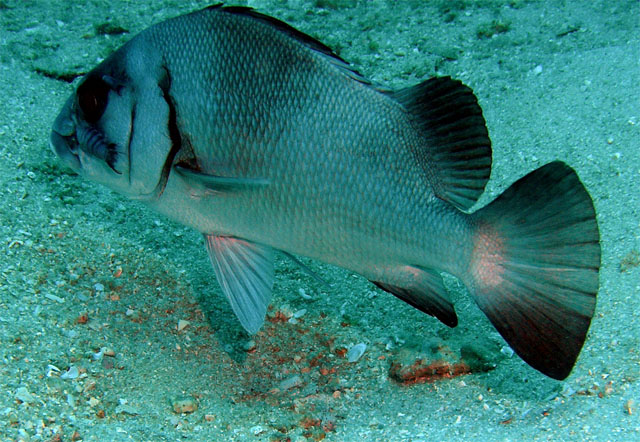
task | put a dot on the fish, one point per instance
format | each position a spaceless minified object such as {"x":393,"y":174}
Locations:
{"x":263,"y":139}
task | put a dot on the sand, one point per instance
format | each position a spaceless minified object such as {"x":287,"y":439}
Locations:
{"x":112,"y":326}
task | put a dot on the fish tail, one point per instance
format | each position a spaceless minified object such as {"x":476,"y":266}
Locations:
{"x":534,"y":267}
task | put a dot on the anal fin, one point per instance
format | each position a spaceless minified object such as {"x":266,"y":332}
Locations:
{"x":424,"y":290}
{"x":245,"y":272}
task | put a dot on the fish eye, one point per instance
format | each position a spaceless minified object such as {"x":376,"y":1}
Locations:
{"x":92,"y":98}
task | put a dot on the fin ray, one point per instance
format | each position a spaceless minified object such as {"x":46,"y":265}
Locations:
{"x":218,"y":183}
{"x":457,"y":152}
{"x":535,"y":267}
{"x":424,"y":290}
{"x":245,"y":272}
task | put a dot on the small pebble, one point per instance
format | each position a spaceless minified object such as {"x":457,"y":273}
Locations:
{"x":257,"y":430}
{"x":184,"y":405}
{"x":249,"y":345}
{"x":608,"y":389}
{"x":127,"y":409}
{"x":507,"y":351}
{"x":356,"y":352}
{"x":23,"y":395}
{"x":108,"y":363}
{"x":55,"y":298}
{"x":293,"y":381}
{"x":629,"y":407}
{"x":389,"y":344}
{"x":98,"y":287}
{"x":182,"y":324}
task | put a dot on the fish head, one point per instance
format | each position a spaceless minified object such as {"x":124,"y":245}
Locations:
{"x":114,"y":129}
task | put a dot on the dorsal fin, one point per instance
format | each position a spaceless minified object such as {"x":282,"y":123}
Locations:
{"x":292,"y":32}
{"x":457,"y":155}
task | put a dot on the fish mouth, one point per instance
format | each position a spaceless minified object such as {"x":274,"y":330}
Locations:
{"x":63,"y":140}
{"x":65,"y":148}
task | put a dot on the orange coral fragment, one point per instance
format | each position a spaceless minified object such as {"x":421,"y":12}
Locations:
{"x":419,"y":373}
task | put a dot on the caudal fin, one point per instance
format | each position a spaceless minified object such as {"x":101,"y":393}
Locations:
{"x":534,"y":270}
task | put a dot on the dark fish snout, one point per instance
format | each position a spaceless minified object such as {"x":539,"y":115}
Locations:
{"x":62,"y":147}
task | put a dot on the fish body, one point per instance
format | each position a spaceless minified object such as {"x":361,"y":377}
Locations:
{"x":261,"y":138}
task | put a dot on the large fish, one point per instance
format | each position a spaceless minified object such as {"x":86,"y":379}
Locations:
{"x":263,"y":139}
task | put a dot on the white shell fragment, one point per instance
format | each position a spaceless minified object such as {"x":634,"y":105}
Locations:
{"x":299,"y":314}
{"x":23,"y":395}
{"x":52,"y":370}
{"x":356,"y":352}
{"x":55,"y":298}
{"x":506,"y":351}
{"x":72,"y":373}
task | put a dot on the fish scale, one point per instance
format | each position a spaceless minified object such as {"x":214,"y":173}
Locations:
{"x":338,"y":112}
{"x":262,"y":139}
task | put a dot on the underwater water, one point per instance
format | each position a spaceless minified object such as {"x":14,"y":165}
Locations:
{"x":112,"y":326}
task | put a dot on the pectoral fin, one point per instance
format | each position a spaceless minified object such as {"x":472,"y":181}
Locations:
{"x":245,"y":272}
{"x":216,"y":183}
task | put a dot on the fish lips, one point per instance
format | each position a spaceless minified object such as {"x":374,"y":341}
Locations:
{"x":62,"y":139}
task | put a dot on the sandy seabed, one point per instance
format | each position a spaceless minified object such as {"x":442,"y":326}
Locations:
{"x":112,"y":326}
